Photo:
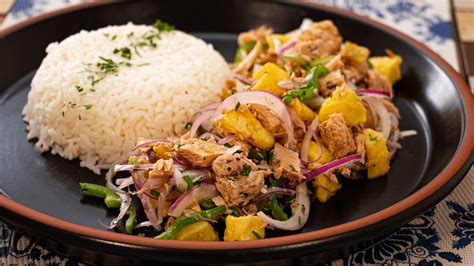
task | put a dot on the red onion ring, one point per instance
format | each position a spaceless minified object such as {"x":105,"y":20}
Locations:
{"x":310,"y":133}
{"x":200,"y":119}
{"x":275,"y":190}
{"x":150,"y":142}
{"x":191,"y":196}
{"x":129,"y":167}
{"x":331,"y":165}
{"x":226,"y":140}
{"x":285,"y":47}
{"x":373,"y":92}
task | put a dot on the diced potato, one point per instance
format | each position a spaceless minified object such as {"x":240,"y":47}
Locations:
{"x":270,"y":40}
{"x":313,"y":153}
{"x":355,"y":53}
{"x":323,"y":195}
{"x":345,"y":101}
{"x":378,"y":157}
{"x":244,"y":228}
{"x":268,"y":77}
{"x":388,"y":66}
{"x":244,"y":124}
{"x":303,"y":111}
{"x":323,"y":181}
{"x":200,"y":231}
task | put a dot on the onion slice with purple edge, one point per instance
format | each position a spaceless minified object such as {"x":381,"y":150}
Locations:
{"x":383,"y":115}
{"x":275,"y":190}
{"x":124,"y":182}
{"x":150,"y":142}
{"x":310,"y":133}
{"x":147,"y":202}
{"x":286,"y":46}
{"x":125,"y":199}
{"x":129,"y":167}
{"x":264,"y":98}
{"x":300,"y":212}
{"x":232,"y":150}
{"x":200,"y":119}
{"x":373,"y":92}
{"x":408,"y":133}
{"x":191,"y":196}
{"x":331,"y":165}
{"x":226,"y":140}
{"x":178,"y":178}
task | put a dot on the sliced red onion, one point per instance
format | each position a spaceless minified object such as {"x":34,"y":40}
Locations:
{"x":209,"y":135}
{"x":124,"y":182}
{"x":373,"y":92}
{"x":264,"y":98}
{"x":232,"y":150}
{"x":395,"y":145}
{"x":125,"y":199}
{"x":143,"y":224}
{"x":286,"y":46}
{"x":310,"y":133}
{"x":178,"y":160}
{"x":264,"y":166}
{"x":226,"y":140}
{"x":331,"y":165}
{"x":352,"y":85}
{"x":152,"y":183}
{"x":408,"y":133}
{"x":129,"y":167}
{"x":275,"y":190}
{"x":383,"y":115}
{"x":211,"y":106}
{"x":315,"y":102}
{"x":189,"y":197}
{"x":178,"y":179}
{"x":299,"y":210}
{"x":150,"y":142}
{"x":200,"y":119}
{"x":243,"y":78}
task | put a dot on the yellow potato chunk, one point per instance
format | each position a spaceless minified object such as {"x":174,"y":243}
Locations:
{"x":323,"y":181}
{"x":378,"y":157}
{"x":355,"y":53}
{"x":302,"y":110}
{"x":345,"y":101}
{"x":245,"y":125}
{"x":244,"y":228}
{"x":323,"y":195}
{"x":267,"y":78}
{"x":389,"y":66}
{"x":314,"y":151}
{"x":200,"y":231}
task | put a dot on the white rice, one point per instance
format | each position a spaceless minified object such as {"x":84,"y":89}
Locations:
{"x":154,"y":100}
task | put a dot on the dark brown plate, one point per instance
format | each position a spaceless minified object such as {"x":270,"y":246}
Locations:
{"x":45,"y":200}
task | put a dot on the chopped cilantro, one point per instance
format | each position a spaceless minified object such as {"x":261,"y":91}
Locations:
{"x":79,"y":88}
{"x":124,"y":52}
{"x":198,"y":179}
{"x":134,"y":161}
{"x":370,"y":64}
{"x":114,"y":37}
{"x":303,"y":209}
{"x":306,"y":92}
{"x":237,"y":106}
{"x":163,"y":26}
{"x":87,"y":106}
{"x":256,"y":155}
{"x":206,"y":204}
{"x":228,"y":145}
{"x":246,"y":170}
{"x":235,"y":211}
{"x":299,"y":220}
{"x":270,"y":155}
{"x":154,"y":193}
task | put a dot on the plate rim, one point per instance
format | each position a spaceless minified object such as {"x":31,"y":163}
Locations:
{"x":461,"y":158}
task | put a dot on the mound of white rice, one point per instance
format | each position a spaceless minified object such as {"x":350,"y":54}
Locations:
{"x":154,"y":97}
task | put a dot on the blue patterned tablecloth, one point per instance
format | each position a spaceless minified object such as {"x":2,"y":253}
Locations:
{"x":442,"y":236}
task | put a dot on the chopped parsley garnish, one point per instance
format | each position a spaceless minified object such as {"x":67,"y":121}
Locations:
{"x":299,"y":220}
{"x":87,"y":106}
{"x":270,"y":155}
{"x":163,"y":26}
{"x":154,"y":193}
{"x":237,"y":106}
{"x":257,"y":235}
{"x":228,"y":145}
{"x":79,"y":88}
{"x":114,"y":37}
{"x":188,"y":126}
{"x":188,"y":181}
{"x":235,"y":211}
{"x":124,"y":52}
{"x":306,"y":92}
{"x":198,"y":179}
{"x":303,"y":209}
{"x":256,"y":155}
{"x":245,"y":170}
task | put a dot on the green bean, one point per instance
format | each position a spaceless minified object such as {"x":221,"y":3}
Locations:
{"x":277,"y":211}
{"x":131,"y":220}
{"x":183,"y":221}
{"x":111,"y":199}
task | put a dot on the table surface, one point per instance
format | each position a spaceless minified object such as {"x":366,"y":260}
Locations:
{"x":442,"y":236}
